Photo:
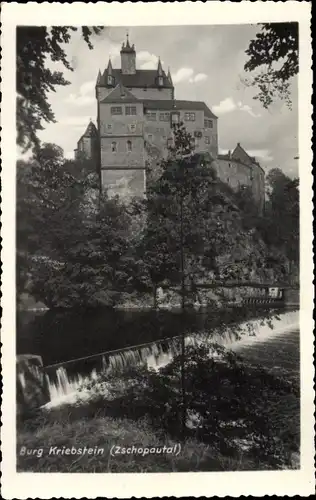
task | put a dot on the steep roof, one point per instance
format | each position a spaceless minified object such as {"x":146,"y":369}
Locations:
{"x":240,"y":155}
{"x":174,"y":104}
{"x":141,"y":79}
{"x":91,"y":130}
{"x":120,"y":93}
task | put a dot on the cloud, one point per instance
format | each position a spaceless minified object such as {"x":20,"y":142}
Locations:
{"x":75,"y":121}
{"x":149,"y":60}
{"x":183,"y":74}
{"x":200,"y":77}
{"x":187,"y":75}
{"x":225,"y":106}
{"x":228,"y":105}
{"x":261,"y":154}
{"x":85,"y":95}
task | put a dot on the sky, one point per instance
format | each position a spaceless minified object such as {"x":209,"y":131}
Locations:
{"x":206,"y":64}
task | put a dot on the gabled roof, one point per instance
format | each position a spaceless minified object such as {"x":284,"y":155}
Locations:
{"x":141,"y":79}
{"x":240,"y":153}
{"x":120,"y":93}
{"x":175,"y":105}
{"x":91,"y":130}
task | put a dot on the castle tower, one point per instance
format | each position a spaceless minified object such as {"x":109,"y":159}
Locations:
{"x":128,"y":58}
{"x":88,"y":144}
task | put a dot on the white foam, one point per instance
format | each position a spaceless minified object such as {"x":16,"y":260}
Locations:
{"x":66,"y":391}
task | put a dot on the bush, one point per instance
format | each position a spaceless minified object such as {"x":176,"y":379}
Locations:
{"x":229,"y":404}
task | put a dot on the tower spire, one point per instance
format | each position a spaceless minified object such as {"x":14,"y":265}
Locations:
{"x":99,"y":77}
{"x":109,"y":68}
{"x":169,"y":75}
{"x":159,"y":69}
{"x":127,"y":41}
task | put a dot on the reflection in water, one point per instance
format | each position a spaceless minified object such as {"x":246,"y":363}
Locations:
{"x":64,"y":381}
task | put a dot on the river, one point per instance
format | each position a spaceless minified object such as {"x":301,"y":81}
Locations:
{"x":70,"y":342}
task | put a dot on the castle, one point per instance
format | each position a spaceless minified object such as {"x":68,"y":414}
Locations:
{"x":136,"y":109}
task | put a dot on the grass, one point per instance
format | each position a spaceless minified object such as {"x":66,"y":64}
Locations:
{"x":89,"y":425}
{"x":57,"y":428}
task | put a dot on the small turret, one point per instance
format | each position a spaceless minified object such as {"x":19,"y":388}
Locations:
{"x":169,"y":76}
{"x":159,"y":69}
{"x":160,"y":78}
{"x":109,"y":73}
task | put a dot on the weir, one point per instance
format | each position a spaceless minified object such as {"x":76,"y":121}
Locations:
{"x":64,"y":382}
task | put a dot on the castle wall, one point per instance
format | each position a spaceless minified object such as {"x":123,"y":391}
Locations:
{"x":233,"y":173}
{"x":237,"y":174}
{"x":122,"y":157}
{"x":123,"y":128}
{"x":258,"y":186}
{"x":121,"y":124}
{"x":125,"y":183}
{"x":158,"y":132}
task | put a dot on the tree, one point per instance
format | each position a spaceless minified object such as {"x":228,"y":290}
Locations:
{"x":70,"y":245}
{"x":48,"y":198}
{"x":176,"y":208}
{"x":274,"y":53}
{"x":34,"y":45}
{"x":283,"y":212}
{"x":91,"y":269}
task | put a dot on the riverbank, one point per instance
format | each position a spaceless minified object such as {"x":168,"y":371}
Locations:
{"x":90,"y":424}
{"x":63,"y":428}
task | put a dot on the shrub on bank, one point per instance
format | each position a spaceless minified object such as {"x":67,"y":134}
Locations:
{"x":229,"y":404}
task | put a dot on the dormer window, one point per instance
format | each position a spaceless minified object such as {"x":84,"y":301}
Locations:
{"x":160,"y":81}
{"x":110,"y":80}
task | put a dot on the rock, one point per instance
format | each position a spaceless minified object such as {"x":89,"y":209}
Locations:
{"x":31,"y":385}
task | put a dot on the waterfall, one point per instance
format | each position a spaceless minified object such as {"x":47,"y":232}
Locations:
{"x":65,"y":388}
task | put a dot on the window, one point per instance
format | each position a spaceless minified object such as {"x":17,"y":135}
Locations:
{"x":170,"y":142}
{"x":164,"y":117}
{"x":129,"y":145}
{"x":194,"y":142}
{"x":116,"y":110}
{"x":208,"y":123}
{"x":207,"y":140}
{"x":175,"y":118}
{"x":160,"y":81}
{"x":229,"y":165}
{"x":151,"y":116}
{"x":130,"y":110}
{"x":189,"y":117}
{"x":110,"y":80}
{"x":114,"y":147}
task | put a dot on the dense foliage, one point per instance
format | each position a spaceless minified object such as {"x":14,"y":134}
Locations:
{"x":237,"y":413}
{"x":34,"y":46}
{"x":70,"y":240}
{"x":75,"y":247}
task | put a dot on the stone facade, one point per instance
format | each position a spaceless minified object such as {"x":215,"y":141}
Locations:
{"x":136,"y":110}
{"x":239,"y":169}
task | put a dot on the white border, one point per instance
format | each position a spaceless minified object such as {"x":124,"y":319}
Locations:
{"x":150,"y":485}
